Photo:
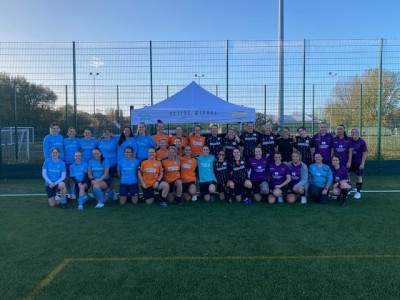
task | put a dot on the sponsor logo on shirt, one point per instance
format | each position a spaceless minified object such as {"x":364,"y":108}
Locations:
{"x":151,"y":170}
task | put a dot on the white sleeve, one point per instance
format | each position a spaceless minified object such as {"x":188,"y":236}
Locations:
{"x":61,"y":179}
{"x":44,"y":174}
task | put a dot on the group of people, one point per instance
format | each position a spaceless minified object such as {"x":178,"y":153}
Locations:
{"x":251,"y":167}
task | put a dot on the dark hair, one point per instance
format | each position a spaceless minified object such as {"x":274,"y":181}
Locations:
{"x":129,"y":148}
{"x":107,"y":129}
{"x":101,"y":155}
{"x":277,"y":152}
{"x":337,"y":156}
{"x":342,"y":125}
{"x":301,"y":127}
{"x":56,"y":148}
{"x":122,"y":137}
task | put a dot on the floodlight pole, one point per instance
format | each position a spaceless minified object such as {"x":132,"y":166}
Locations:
{"x":281,"y":103}
{"x":94,"y":74}
{"x":199,"y":76}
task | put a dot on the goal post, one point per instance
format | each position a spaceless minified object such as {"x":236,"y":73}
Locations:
{"x":25,"y":137}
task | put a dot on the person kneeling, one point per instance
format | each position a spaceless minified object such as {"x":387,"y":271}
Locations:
{"x":298,"y":185}
{"x":280,"y":178}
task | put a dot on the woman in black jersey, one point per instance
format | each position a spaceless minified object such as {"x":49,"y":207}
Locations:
{"x":222,"y":175}
{"x":239,"y":177}
{"x":268,"y":140}
{"x":231,"y":142}
{"x":285,"y":145}
{"x":303,"y":144}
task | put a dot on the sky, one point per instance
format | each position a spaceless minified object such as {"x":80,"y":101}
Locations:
{"x":191,"y":20}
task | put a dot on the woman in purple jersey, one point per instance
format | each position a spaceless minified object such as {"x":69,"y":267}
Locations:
{"x":258,"y":174}
{"x":342,"y":146}
{"x":298,"y":185}
{"x":341,"y":184}
{"x":358,"y":160}
{"x":322,"y":142}
{"x":279,"y":179}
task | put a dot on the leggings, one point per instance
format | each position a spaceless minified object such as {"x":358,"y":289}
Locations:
{"x":315,"y":192}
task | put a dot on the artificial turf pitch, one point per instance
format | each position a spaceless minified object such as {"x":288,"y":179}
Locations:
{"x":200,"y":250}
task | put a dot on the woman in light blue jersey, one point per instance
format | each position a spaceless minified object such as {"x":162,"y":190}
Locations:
{"x":87,"y":144}
{"x":207,"y":180}
{"x":53,"y":172}
{"x":54,"y":139}
{"x":126,"y":139}
{"x":320,"y":180}
{"x":98,"y":175}
{"x":144,"y":142}
{"x":79,"y":175}
{"x":108,"y":147}
{"x":127,"y":170}
{"x":71,"y":145}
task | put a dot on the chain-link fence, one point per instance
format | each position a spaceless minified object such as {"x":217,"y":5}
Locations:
{"x":89,"y":85}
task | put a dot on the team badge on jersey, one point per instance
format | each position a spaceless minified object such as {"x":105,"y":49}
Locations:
{"x":254,"y":134}
{"x":224,"y":163}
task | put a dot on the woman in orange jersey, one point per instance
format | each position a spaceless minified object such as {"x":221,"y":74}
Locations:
{"x":179,"y":134}
{"x":180,"y":150}
{"x":188,"y":174}
{"x":196,"y":141}
{"x":172,"y":176}
{"x":160,"y":134}
{"x":162,"y":152}
{"x":150,"y":175}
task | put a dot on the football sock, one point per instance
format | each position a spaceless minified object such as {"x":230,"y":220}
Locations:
{"x":99,"y":195}
{"x":248,"y":192}
{"x":359,"y":186}
{"x":80,"y":200}
{"x":344,"y":194}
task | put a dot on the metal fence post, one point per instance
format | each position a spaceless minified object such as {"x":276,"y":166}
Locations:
{"x":313,"y":89}
{"x":74,"y":78}
{"x":380,"y":107}
{"x":265,"y":102}
{"x":151,"y":74}
{"x":117,"y":103}
{"x":15,"y":122}
{"x":360,"y":124}
{"x":227,"y":70}
{"x":304,"y":83}
{"x":66,"y":108}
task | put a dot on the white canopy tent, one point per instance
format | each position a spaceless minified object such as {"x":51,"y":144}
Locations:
{"x":193,"y":104}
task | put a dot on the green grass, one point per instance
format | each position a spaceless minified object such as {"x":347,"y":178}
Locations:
{"x":279,"y":251}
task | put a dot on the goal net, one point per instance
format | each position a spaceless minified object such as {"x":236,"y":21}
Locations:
{"x":16,"y":146}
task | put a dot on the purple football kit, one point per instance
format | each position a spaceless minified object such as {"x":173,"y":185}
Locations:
{"x":323,"y":145}
{"x":341,"y":147}
{"x":278,"y":174}
{"x":258,"y":168}
{"x":295,"y":173}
